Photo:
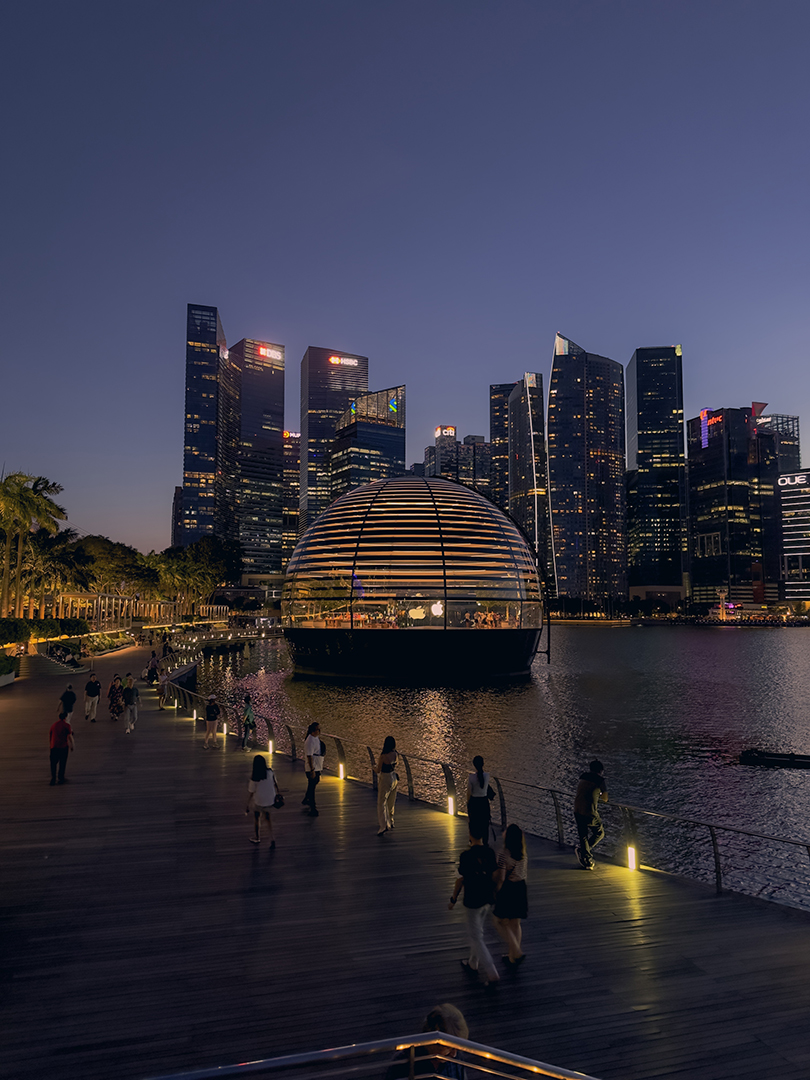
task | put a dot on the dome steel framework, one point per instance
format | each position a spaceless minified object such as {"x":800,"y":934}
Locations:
{"x":411,"y":554}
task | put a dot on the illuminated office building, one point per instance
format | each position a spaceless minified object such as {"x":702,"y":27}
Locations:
{"x":292,"y":486}
{"x":259,"y":367}
{"x":586,"y":468}
{"x":786,"y":429}
{"x":499,"y":442}
{"x":734,"y":509}
{"x":468,"y":462}
{"x":657,"y":547}
{"x":177,"y":518}
{"x":528,"y":486}
{"x":441,"y":459}
{"x":330,"y":381}
{"x":369,"y":441}
{"x":794,"y":493}
{"x":211,"y":429}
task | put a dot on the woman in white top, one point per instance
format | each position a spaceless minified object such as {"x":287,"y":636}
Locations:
{"x":386,"y":785}
{"x":478,"y":801}
{"x":262,"y":791}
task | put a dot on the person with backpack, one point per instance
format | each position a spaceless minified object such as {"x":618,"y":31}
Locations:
{"x":313,"y":759}
{"x":477,"y":867}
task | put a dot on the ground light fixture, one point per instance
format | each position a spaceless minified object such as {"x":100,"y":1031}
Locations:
{"x":269,"y":746}
{"x":341,"y":771}
{"x":195,"y":715}
{"x":631,"y":858}
{"x":451,"y":806}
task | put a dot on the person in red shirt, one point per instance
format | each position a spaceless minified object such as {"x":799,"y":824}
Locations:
{"x":61,"y":745}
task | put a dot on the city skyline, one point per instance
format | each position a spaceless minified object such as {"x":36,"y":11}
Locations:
{"x":405,"y":202}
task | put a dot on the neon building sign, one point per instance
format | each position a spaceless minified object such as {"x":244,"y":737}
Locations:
{"x":271,"y":354}
{"x":344,"y":361}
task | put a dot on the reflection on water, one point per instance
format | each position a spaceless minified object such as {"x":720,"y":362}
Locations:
{"x":668,"y":710}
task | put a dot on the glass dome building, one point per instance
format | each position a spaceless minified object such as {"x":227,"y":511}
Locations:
{"x":412,"y":578}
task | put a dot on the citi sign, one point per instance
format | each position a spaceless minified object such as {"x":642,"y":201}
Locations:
{"x":796,"y":479}
{"x":346,"y":361}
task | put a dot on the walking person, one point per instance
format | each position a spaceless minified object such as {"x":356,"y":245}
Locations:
{"x":263,"y":791}
{"x":248,"y":723}
{"x":163,"y":689}
{"x":479,"y":796}
{"x":592,"y":790}
{"x":477,"y":867}
{"x":386,"y":785}
{"x":61,"y":737}
{"x":152,"y":669}
{"x":212,"y":711}
{"x":511,"y":899}
{"x":92,"y":693}
{"x":131,"y":701}
{"x":67,"y":702}
{"x":313,"y":758}
{"x":115,"y":697}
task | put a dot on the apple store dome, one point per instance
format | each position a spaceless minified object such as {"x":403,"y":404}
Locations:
{"x":412,"y":554}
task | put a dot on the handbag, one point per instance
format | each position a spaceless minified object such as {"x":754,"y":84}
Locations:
{"x":278,"y":802}
{"x":490,"y":793}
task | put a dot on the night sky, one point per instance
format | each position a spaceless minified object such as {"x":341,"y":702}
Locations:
{"x":438,"y":185}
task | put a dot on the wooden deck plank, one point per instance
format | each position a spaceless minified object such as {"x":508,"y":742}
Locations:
{"x":142,"y":933}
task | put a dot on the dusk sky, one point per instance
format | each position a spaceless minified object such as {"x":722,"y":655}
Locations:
{"x":438,"y":185}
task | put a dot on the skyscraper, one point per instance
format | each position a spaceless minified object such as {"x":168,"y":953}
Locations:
{"x":259,"y":368}
{"x":794,"y":490}
{"x":292,"y":487}
{"x":528,"y":486}
{"x":786,"y":429}
{"x":441,"y":459}
{"x":177,"y":518}
{"x":330,"y":382}
{"x":369,"y":441}
{"x":475,"y":463}
{"x":733,"y":507}
{"x":211,"y":429}
{"x":656,"y":476}
{"x":586,"y":469}
{"x":499,"y":442}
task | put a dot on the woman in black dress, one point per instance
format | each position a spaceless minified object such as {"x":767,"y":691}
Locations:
{"x":115,"y":696}
{"x":511,"y":901}
{"x":478,"y":801}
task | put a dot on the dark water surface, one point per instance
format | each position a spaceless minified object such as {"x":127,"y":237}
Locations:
{"x":668,"y":711}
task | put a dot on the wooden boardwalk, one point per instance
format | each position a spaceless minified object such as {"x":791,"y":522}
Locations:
{"x":143,"y":934}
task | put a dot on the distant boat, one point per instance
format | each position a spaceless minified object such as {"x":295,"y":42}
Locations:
{"x":768,"y":760}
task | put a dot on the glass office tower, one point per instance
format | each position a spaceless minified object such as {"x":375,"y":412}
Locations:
{"x":330,"y":382}
{"x":292,"y":486}
{"x":786,"y":429}
{"x":499,"y":442}
{"x":260,"y":369}
{"x":475,"y":463}
{"x":656,"y":476}
{"x":586,"y":467}
{"x":794,"y":491}
{"x":733,"y":508}
{"x":369,"y":442}
{"x":528,"y":476}
{"x":211,"y":429}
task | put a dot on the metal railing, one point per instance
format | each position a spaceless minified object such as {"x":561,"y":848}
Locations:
{"x":374,"y":1058}
{"x":725,"y":856}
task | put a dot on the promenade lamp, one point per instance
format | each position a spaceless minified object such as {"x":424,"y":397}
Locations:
{"x":451,"y":806}
{"x":341,"y":771}
{"x":269,"y":746}
{"x":631,"y":858}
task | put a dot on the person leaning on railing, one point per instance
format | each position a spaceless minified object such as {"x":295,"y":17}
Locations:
{"x":433,"y":1059}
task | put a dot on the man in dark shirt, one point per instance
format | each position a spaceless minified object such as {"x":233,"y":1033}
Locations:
{"x":476,"y":869}
{"x":61,"y":745}
{"x":591,"y":791}
{"x":92,"y":692}
{"x":67,"y":701}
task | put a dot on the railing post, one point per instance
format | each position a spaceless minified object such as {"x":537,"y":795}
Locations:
{"x":373,"y":764}
{"x":502,"y":801}
{"x":450,"y":781}
{"x":341,"y":756}
{"x":558,"y":813}
{"x":718,"y":873}
{"x":293,"y":753}
{"x":409,"y":777}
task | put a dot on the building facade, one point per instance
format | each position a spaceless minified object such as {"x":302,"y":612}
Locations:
{"x":499,"y":442}
{"x":475,"y":463}
{"x":292,"y":487}
{"x":794,"y":494}
{"x":211,"y":429}
{"x":586,"y":469}
{"x":528,"y":473}
{"x":657,"y":520}
{"x":259,"y":369}
{"x":786,"y":429}
{"x":735,"y":530}
{"x":369,"y":441}
{"x":330,"y":381}
{"x":177,"y":518}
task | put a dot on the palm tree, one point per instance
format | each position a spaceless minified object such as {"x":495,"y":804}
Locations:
{"x":36,"y":508}
{"x":12,"y":501}
{"x":53,"y":563}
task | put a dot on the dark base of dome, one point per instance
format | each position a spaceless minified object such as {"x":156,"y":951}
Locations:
{"x":413,"y":656}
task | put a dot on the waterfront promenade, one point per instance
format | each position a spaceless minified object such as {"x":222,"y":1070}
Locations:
{"x":143,"y":934}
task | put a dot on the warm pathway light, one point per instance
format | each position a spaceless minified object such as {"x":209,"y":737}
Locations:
{"x":451,"y":806}
{"x":631,"y":858}
{"x":195,"y":715}
{"x":341,"y":771}
{"x":270,"y":746}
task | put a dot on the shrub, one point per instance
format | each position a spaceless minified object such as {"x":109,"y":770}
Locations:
{"x":74,"y":626}
{"x":14,"y":631}
{"x":45,"y":628}
{"x":7,"y":664}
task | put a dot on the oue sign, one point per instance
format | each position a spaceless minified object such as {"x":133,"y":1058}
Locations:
{"x":796,"y":479}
